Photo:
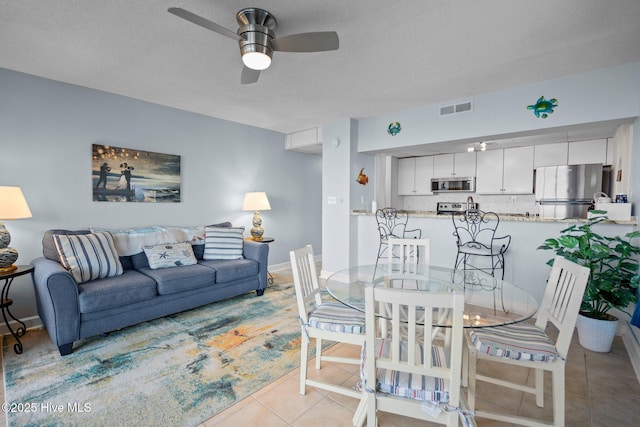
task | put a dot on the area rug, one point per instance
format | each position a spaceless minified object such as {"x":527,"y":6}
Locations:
{"x":176,"y":371}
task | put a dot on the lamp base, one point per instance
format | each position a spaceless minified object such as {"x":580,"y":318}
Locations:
{"x":8,"y":269}
{"x":7,"y":257}
{"x":256,"y":231}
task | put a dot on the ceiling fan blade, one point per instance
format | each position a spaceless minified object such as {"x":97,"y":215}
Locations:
{"x":203,"y":22}
{"x":307,"y":42}
{"x":249,"y":75}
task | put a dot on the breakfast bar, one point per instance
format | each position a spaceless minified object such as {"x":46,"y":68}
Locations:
{"x":526,"y":265}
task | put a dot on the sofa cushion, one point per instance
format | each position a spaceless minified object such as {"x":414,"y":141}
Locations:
{"x":88,"y":256}
{"x":232,"y":269}
{"x":169,"y":255}
{"x":223,"y":242}
{"x":111,"y":292}
{"x":140,"y":261}
{"x":178,"y":279}
{"x":49,"y":249}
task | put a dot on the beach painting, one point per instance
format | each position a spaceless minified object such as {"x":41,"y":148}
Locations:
{"x":130,"y":175}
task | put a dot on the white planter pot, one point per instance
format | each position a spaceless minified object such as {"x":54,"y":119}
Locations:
{"x":596,"y":335}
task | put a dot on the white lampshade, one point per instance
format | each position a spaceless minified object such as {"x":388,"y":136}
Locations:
{"x":256,"y":201}
{"x":13,"y":204}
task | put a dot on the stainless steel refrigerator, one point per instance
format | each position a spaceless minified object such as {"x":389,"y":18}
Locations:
{"x":567,"y":191}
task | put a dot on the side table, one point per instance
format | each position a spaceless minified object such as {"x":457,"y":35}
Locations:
{"x":266,"y":240}
{"x":5,"y":302}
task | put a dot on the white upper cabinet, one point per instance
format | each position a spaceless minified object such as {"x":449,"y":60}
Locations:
{"x":454,"y":165}
{"x":593,"y":151}
{"x":551,"y":154}
{"x":508,"y":171}
{"x":518,"y":170}
{"x":443,"y":166}
{"x":489,"y":178}
{"x":464,"y":164}
{"x":414,"y":176}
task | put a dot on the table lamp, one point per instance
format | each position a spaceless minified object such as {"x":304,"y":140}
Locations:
{"x":256,"y":201}
{"x":12,"y":206}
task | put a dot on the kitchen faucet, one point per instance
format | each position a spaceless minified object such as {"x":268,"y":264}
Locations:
{"x":469,"y":202}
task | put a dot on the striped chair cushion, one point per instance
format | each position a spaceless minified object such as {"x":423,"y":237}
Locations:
{"x":336,"y":317}
{"x":223,"y":243}
{"x":519,"y":342}
{"x":404,"y":384}
{"x":88,"y":256}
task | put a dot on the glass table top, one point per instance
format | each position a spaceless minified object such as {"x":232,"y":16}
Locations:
{"x":489,"y":301}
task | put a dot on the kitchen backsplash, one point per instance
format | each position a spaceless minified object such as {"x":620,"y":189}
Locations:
{"x":508,"y":204}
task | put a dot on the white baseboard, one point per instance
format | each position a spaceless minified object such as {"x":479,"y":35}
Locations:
{"x":287,"y":265}
{"x":279,"y":267}
{"x":31,"y":322}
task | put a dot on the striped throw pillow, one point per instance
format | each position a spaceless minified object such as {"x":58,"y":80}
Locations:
{"x":88,"y":256}
{"x":223,"y":242}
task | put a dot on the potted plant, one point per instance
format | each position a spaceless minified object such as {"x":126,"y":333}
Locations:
{"x":613,"y":281}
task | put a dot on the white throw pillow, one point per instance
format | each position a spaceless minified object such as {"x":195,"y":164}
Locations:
{"x":88,"y":256}
{"x":169,"y":255}
{"x":223,"y":242}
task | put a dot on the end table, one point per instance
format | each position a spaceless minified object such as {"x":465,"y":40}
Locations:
{"x":266,"y":240}
{"x":5,"y":302}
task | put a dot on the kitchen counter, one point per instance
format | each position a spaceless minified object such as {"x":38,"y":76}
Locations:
{"x":504,"y":217}
{"x":525,"y":263}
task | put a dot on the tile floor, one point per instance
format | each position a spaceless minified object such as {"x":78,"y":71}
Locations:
{"x":601,"y":391}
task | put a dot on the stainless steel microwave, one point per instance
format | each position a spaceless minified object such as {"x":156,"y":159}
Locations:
{"x":461,"y":184}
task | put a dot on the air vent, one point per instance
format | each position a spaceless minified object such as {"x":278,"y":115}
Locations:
{"x":463,"y":107}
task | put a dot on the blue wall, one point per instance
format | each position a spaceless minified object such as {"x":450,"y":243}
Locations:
{"x":46,"y":132}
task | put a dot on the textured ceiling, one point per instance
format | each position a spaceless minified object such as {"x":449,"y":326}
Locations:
{"x":393,"y":56}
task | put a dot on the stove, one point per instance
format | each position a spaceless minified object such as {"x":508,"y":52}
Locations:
{"x":454,"y":207}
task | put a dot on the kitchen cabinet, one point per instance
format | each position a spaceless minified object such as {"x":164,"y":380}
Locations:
{"x":593,"y":151}
{"x":551,"y":154}
{"x":454,"y":165}
{"x":506,"y":171}
{"x":414,"y":176}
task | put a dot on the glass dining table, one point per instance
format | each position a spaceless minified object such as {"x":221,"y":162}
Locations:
{"x":489,"y":301}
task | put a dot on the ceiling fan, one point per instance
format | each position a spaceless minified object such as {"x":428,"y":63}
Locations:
{"x":258,"y":41}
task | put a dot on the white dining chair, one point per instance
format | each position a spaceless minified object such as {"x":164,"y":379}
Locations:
{"x":408,"y":251}
{"x":529,"y":346}
{"x":330,"y":321}
{"x":412,"y":375}
{"x":402,"y":256}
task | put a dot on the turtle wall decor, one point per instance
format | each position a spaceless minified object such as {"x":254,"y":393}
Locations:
{"x":543,"y":107}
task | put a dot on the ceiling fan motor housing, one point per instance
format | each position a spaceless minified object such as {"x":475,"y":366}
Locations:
{"x":256,"y":30}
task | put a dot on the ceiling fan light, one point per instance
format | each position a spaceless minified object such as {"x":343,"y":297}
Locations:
{"x":256,"y":60}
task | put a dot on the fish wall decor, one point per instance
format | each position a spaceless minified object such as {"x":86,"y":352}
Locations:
{"x":362,"y":179}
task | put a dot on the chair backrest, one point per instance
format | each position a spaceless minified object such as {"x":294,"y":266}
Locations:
{"x":476,"y":229}
{"x":561,"y":300}
{"x":408,"y":251}
{"x":392,"y":223}
{"x":305,"y":280}
{"x":414,"y":311}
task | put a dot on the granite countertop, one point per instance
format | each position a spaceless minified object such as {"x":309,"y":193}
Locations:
{"x":503,"y":217}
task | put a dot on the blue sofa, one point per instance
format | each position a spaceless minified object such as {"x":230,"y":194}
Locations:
{"x":71,"y":311}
